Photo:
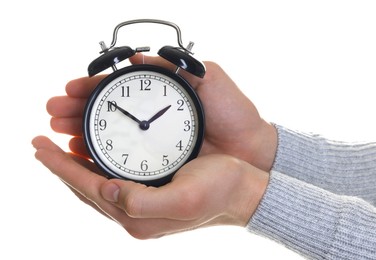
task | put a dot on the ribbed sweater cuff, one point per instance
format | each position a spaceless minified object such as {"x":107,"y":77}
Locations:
{"x":313,"y":222}
{"x":339,"y":167}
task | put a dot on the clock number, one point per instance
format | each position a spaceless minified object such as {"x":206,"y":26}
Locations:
{"x":164,"y":90}
{"x":111,"y":106}
{"x":125,"y":91}
{"x":125,"y":156}
{"x":165,"y":160}
{"x":109,"y":145}
{"x":102,"y":124}
{"x":180,"y":146}
{"x":145,"y":85}
{"x":144,"y":165}
{"x":187,"y":124}
{"x":181,"y":104}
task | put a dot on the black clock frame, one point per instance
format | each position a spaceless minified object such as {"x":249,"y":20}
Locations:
{"x":143,"y":67}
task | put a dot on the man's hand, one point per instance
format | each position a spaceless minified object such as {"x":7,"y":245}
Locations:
{"x":210,"y":190}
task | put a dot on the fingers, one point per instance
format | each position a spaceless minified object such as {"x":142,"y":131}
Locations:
{"x":85,"y":162}
{"x":139,"y":58}
{"x":71,"y":126}
{"x":66,"y":114}
{"x":77,"y":146}
{"x":82,"y":87}
{"x":62,"y":165}
{"x":43,"y":143}
{"x":83,"y":182}
{"x":73,"y":104}
{"x":65,"y":106}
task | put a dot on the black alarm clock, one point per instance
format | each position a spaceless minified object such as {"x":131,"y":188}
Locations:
{"x":143,"y":122}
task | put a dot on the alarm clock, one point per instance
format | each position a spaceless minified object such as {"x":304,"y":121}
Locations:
{"x":143,"y":122}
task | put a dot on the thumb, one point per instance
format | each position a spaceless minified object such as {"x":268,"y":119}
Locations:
{"x":140,"y":58}
{"x":140,"y":201}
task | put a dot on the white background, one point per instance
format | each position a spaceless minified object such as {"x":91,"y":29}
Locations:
{"x":308,"y":65}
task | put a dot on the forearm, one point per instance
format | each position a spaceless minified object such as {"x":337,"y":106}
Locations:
{"x":339,"y":167}
{"x":314,"y":222}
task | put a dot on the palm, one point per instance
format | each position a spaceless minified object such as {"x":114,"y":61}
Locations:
{"x":230,"y":116}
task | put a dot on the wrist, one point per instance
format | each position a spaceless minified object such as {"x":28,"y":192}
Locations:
{"x":264,"y":146}
{"x":249,"y":193}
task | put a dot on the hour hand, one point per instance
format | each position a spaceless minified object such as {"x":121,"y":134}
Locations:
{"x":159,"y":114}
{"x":124,"y":112}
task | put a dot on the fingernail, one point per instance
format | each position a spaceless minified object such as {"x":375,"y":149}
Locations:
{"x":110,"y":192}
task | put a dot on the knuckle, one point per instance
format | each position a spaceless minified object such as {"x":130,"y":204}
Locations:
{"x":212,"y":71}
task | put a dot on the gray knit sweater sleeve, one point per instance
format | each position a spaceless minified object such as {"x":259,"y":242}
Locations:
{"x":319,"y":198}
{"x":341,"y":167}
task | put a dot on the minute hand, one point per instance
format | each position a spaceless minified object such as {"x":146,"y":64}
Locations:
{"x":125,"y":112}
{"x":159,"y":114}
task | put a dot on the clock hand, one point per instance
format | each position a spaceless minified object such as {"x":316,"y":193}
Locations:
{"x":125,"y":112}
{"x":159,"y":114}
{"x":145,"y":124}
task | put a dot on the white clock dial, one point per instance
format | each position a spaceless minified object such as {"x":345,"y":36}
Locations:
{"x":143,"y":125}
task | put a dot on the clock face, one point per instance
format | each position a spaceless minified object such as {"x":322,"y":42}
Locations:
{"x":143,"y":123}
